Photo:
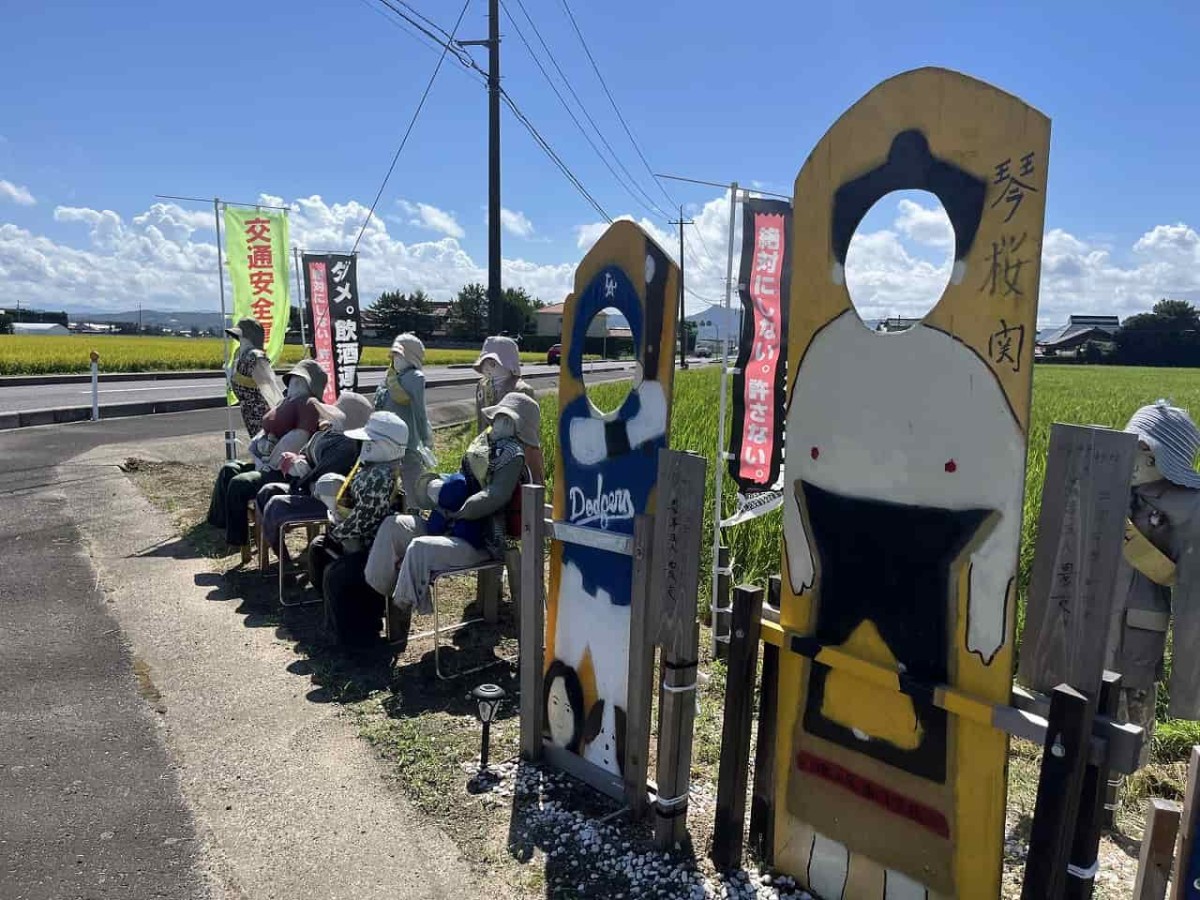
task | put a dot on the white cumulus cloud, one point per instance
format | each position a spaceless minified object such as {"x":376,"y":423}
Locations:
{"x":516,"y":223}
{"x":425,"y":215}
{"x":16,"y":193}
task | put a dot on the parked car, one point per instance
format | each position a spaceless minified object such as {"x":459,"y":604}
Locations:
{"x":553,"y":355}
{"x":703,"y":352}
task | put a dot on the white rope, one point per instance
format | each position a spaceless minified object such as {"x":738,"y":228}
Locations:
{"x":1086,"y":874}
{"x":669,"y":803}
{"x":678,"y":689}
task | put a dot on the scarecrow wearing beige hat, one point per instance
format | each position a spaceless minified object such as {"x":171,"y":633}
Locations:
{"x":285,"y":428}
{"x":407,"y":553}
{"x":250,"y":375}
{"x":499,"y":368}
{"x":403,"y":393}
{"x":1159,"y":576}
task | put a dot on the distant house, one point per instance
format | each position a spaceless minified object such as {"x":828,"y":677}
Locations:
{"x":1068,"y":339}
{"x":550,"y":319}
{"x":895,"y":324}
{"x":39,"y":328}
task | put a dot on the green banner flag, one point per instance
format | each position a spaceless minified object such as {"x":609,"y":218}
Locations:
{"x":256,"y":245}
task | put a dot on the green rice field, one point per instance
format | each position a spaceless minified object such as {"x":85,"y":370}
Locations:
{"x":38,"y":355}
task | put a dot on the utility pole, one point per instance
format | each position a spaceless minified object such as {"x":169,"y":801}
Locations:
{"x":493,"y":45}
{"x":681,"y":324}
{"x":139,"y":317}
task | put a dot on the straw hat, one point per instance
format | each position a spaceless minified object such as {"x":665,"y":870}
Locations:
{"x":385,"y":427}
{"x":1173,"y":439}
{"x":523,"y":410}
{"x":350,"y":412}
{"x":249,"y":329}
{"x":309,"y":371}
{"x":410,"y":347}
{"x":503,"y":350}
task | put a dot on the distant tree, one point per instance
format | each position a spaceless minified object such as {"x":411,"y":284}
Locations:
{"x":1168,"y":335}
{"x":397,"y":312}
{"x":518,"y":312}
{"x":468,"y":319}
{"x":6,"y":323}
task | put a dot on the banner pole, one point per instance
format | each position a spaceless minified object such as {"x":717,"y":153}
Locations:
{"x":224,"y":318}
{"x":719,"y":640}
{"x":299,"y":296}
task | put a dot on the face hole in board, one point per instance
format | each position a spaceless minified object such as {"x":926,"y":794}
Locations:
{"x":900,"y":260}
{"x":605,"y":395}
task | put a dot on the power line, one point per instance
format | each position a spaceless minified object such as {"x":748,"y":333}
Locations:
{"x":411,"y":123}
{"x":428,"y":21}
{"x":587,"y":137}
{"x":381,"y":9}
{"x":616,"y":109}
{"x":554,"y":158}
{"x":583,"y":108}
{"x":448,"y":44}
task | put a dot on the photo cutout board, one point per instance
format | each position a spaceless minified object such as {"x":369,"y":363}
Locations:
{"x":904,"y":485}
{"x":607,"y":466}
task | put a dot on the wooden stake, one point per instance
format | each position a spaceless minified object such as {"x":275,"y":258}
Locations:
{"x":533,"y":618}
{"x":1086,"y":844}
{"x":677,"y":714}
{"x":720,"y":618}
{"x":735,"y":733}
{"x":762,"y":797}
{"x":640,"y":691}
{"x":1063,"y":762}
{"x":1186,"y":879}
{"x":1158,"y":849}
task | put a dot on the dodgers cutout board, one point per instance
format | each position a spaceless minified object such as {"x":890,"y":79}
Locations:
{"x":607,"y":469}
{"x":905,"y":479}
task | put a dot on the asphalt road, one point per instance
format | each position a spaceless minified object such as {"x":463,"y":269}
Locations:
{"x":51,"y":395}
{"x":90,"y":804}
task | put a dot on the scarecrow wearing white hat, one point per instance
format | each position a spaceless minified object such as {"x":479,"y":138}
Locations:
{"x":406,"y":552}
{"x":329,"y":451}
{"x":499,"y":368}
{"x":250,"y":375}
{"x":1159,"y":577}
{"x":362,"y":500}
{"x":285,"y":428}
{"x":403,"y":393}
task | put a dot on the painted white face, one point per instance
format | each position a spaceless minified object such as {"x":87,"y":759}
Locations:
{"x":503,"y":427}
{"x":399,"y":363}
{"x":297,"y":389}
{"x":492,"y":369}
{"x":1145,"y":469}
{"x":560,"y":715}
{"x":435,"y":489}
{"x":375,"y":451}
{"x":244,"y":345}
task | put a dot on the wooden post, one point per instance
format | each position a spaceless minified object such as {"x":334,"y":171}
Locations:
{"x":1064,"y":758}
{"x":1081,"y":874}
{"x":1081,"y":529}
{"x":533,"y":616}
{"x":735,"y":733}
{"x":677,"y":713}
{"x":762,"y":796}
{"x":1158,"y":849}
{"x":720,"y":617}
{"x":1186,"y":879}
{"x":640,"y":692}
{"x":678,"y":530}
{"x":487,"y":594}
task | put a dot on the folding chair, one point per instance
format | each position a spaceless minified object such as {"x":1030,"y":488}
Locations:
{"x":312,"y":526}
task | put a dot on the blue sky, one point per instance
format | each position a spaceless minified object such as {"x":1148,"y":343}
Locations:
{"x":105,"y":105}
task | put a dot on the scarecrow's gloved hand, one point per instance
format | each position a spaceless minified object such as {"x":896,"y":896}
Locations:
{"x":588,"y":444}
{"x":650,"y":421}
{"x":300,"y":468}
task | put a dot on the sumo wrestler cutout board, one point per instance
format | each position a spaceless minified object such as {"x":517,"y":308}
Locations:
{"x":904,"y":484}
{"x":608,"y":464}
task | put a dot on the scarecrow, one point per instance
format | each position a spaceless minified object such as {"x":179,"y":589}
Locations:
{"x":403,"y":393}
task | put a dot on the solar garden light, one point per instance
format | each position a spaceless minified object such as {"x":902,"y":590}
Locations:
{"x":489,"y":698}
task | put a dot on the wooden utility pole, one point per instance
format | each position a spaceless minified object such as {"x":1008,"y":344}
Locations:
{"x":681,"y":325}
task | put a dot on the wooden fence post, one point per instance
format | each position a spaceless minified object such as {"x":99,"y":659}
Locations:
{"x":1186,"y":879}
{"x":532,"y":625}
{"x":1081,"y":880}
{"x":640,"y":691}
{"x":1068,"y":742}
{"x":762,"y":796}
{"x":677,"y":715}
{"x":735,"y":733}
{"x":1158,"y":849}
